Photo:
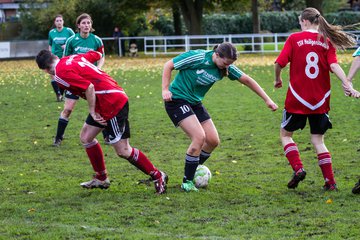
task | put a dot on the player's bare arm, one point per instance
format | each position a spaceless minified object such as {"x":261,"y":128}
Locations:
{"x":166,"y":78}
{"x":91,"y":99}
{"x":253,"y":85}
{"x":278,"y":80}
{"x":355,"y":66}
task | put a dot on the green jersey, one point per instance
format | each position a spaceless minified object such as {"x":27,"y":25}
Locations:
{"x":57,"y":39}
{"x":197,"y":73}
{"x":78,"y":45}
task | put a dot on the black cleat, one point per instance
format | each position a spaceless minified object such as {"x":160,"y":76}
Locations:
{"x":330,"y":187}
{"x":356,"y":189}
{"x":297,"y":177}
{"x":57,"y":142}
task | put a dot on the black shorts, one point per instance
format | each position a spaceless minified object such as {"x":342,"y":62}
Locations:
{"x":117,"y":128}
{"x":319,"y":123}
{"x":179,"y":109}
{"x":69,"y":95}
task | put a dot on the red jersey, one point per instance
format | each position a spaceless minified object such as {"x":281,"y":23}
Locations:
{"x":310,"y":59}
{"x":76,"y":72}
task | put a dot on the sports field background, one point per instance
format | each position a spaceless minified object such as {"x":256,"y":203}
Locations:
{"x":40,"y":196}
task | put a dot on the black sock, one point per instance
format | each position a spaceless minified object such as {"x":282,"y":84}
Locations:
{"x":204,"y":156}
{"x":191,"y":163}
{"x":62,"y":124}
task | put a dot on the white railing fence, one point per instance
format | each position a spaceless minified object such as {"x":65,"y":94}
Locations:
{"x":165,"y":45}
{"x":245,"y":43}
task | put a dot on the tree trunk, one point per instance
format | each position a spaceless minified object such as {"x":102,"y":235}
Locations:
{"x":192,"y":11}
{"x":255,"y":16}
{"x":176,"y":19}
{"x":256,"y":21}
{"x":315,"y":4}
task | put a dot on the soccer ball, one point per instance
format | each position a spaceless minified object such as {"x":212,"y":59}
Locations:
{"x":202,"y":176}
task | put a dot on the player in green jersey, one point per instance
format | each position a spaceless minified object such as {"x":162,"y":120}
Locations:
{"x":83,"y":41}
{"x":355,"y":66}
{"x":57,"y":38}
{"x":198,"y":71}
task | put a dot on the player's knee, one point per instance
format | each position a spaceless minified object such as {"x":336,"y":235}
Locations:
{"x":66,"y":113}
{"x":85,"y":140}
{"x":123,"y":152}
{"x":213,"y":142}
{"x":317,"y":141}
{"x":199,"y":140}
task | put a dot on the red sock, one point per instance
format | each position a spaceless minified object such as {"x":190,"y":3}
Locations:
{"x":139,"y":160}
{"x":96,"y":157}
{"x":292,"y":154}
{"x":326,"y":167}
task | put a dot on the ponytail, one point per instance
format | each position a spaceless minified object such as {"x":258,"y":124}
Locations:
{"x":334,"y":33}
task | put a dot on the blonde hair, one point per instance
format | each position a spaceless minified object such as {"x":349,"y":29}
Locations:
{"x":334,"y":33}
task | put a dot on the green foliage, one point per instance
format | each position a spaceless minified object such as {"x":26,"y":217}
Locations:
{"x":9,"y":30}
{"x":343,"y":18}
{"x":164,"y":25}
{"x":246,"y":199}
{"x":279,"y":22}
{"x":106,"y":15}
{"x":227,"y":24}
{"x":276,"y":22}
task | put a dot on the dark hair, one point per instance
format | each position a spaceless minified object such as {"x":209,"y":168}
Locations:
{"x":59,"y":15}
{"x":226,"y":50}
{"x":45,"y":59}
{"x":80,"y":18}
{"x":335,"y":33}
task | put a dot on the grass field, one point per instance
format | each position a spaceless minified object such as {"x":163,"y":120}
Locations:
{"x":40,"y":196}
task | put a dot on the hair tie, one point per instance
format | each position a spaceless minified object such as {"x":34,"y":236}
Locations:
{"x":317,"y":15}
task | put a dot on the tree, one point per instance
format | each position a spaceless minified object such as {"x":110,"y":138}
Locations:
{"x":192,"y":11}
{"x":255,"y":16}
{"x":176,"y":19}
{"x":318,"y":4}
{"x":37,"y":21}
{"x":256,"y":21}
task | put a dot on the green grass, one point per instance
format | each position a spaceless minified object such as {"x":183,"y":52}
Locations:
{"x":40,"y":197}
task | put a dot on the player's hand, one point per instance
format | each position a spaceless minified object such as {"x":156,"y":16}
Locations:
{"x":278,"y":83}
{"x":272,"y":105}
{"x":354,"y":93}
{"x":349,"y":90}
{"x":166,"y":95}
{"x":98,"y":118}
{"x":347,"y":86}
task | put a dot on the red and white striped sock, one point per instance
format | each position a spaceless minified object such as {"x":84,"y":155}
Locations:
{"x":325,"y":163}
{"x":96,"y":158}
{"x":139,"y":160}
{"x":291,"y":152}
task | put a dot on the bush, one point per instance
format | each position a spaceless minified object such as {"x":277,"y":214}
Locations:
{"x":275,"y":22}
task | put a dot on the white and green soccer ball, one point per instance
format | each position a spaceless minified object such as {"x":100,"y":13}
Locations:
{"x":202,"y":176}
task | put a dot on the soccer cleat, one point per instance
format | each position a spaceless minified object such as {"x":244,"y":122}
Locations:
{"x":59,"y":98}
{"x":57,"y":142}
{"x":96,"y":183}
{"x":189,"y":186}
{"x":297,"y":177}
{"x":356,"y":189}
{"x":330,"y":187}
{"x":160,"y":184}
